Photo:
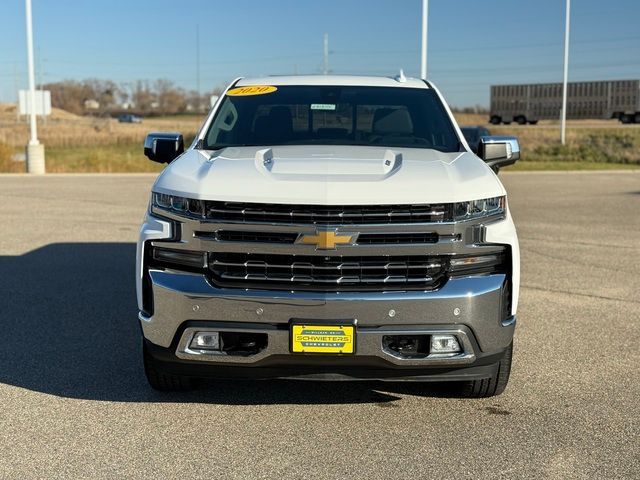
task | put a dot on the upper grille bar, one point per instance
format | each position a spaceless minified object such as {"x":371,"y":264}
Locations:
{"x":290,"y":237}
{"x":241,"y":212}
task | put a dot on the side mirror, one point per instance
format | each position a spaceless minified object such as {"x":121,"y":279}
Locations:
{"x":163,"y":147}
{"x":499,"y":152}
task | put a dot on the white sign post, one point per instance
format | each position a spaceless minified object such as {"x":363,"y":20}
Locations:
{"x":35,"y":150}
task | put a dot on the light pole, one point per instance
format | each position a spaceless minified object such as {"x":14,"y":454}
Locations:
{"x":425,"y":15}
{"x":35,"y":150}
{"x":325,"y":56}
{"x":199,"y":105}
{"x":563,"y":118}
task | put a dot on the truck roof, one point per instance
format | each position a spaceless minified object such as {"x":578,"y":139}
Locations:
{"x":334,"y":80}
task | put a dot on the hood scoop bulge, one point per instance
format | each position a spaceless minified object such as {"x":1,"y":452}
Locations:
{"x":328,"y":165}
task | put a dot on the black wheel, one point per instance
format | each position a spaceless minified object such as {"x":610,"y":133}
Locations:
{"x":626,"y":118}
{"x":488,"y":387}
{"x":522,"y":120}
{"x":164,"y":382}
{"x":637,"y":117}
{"x":495,"y":120}
{"x":533,"y":122}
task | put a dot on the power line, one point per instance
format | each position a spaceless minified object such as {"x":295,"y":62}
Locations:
{"x":475,"y":49}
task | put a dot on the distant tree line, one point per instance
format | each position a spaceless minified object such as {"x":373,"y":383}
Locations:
{"x":143,"y":97}
{"x":94,"y":96}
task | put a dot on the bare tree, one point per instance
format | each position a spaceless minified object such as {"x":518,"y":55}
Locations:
{"x":93,"y":95}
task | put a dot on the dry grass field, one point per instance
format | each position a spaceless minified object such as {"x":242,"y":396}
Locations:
{"x":92,"y":144}
{"x":591,"y":144}
{"x":86,"y":144}
{"x":65,"y":129}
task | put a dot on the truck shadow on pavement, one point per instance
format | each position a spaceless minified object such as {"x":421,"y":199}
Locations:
{"x":68,"y":319}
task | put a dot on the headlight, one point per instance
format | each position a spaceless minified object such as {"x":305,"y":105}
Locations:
{"x":176,"y":204}
{"x":479,"y":208}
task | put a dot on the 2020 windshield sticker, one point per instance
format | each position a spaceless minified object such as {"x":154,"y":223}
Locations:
{"x":323,"y":106}
{"x":251,"y":90}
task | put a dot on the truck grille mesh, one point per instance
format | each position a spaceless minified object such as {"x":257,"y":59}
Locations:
{"x":324,"y":214}
{"x":331,"y":273}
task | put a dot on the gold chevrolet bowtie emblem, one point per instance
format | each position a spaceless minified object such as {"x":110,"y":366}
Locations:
{"x":327,"y":240}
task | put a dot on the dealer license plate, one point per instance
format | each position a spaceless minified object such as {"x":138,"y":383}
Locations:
{"x":322,"y":338}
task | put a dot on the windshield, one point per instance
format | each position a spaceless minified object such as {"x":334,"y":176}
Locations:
{"x":328,"y":115}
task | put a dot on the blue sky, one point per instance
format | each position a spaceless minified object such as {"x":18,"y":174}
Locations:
{"x":472,"y":43}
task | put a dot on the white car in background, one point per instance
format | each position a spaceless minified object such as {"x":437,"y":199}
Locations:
{"x":329,"y":227}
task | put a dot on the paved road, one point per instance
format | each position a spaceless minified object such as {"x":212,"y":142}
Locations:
{"x":75,"y":403}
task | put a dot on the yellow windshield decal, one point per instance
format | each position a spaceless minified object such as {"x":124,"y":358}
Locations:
{"x":251,"y":90}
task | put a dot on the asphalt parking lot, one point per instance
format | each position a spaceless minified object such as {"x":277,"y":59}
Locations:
{"x":75,"y":402}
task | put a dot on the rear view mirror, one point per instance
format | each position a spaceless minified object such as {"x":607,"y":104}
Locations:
{"x":163,"y":147}
{"x":499,"y":152}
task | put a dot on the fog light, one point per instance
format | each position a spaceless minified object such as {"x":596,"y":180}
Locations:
{"x":444,"y":344}
{"x":205,"y":341}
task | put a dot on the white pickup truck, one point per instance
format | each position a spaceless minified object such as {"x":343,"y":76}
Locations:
{"x":329,"y":227}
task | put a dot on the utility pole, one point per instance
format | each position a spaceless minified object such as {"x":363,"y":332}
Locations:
{"x":563,"y":118}
{"x":198,"y":66}
{"x":325,"y":67}
{"x":35,"y":150}
{"x":425,"y":18}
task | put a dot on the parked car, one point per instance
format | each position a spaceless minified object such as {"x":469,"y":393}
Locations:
{"x":329,"y":227}
{"x":473,"y":134}
{"x":129,"y":118}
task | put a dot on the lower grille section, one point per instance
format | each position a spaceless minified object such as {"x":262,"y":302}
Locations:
{"x":329,"y":273}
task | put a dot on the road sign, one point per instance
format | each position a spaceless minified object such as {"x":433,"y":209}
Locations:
{"x":42,"y":103}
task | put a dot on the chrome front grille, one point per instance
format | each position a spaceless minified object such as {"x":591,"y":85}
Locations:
{"x":239,"y":212}
{"x":326,"y":272}
{"x":261,"y":246}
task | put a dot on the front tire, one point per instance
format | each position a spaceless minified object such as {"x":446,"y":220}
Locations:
{"x":161,"y":381}
{"x":489,"y":387}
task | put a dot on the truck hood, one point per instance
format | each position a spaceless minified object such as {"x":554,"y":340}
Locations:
{"x":329,"y":175}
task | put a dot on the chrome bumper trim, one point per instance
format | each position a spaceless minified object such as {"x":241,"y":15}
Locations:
{"x":472,"y":301}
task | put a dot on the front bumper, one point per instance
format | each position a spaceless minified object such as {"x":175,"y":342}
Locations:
{"x":468,"y":307}
{"x":326,"y":367}
{"x":479,"y":310}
